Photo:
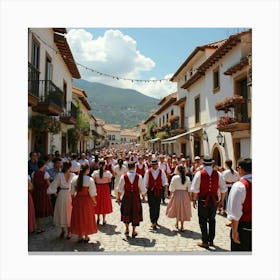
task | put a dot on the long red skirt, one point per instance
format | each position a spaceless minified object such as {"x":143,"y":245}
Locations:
{"x":31,"y":213}
{"x":103,"y":199}
{"x":83,"y":218}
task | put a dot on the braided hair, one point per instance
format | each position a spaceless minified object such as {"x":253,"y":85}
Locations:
{"x":101,"y":165}
{"x":84,"y":168}
{"x":229,"y":165}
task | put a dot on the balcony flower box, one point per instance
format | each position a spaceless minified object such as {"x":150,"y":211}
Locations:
{"x":229,"y":102}
{"x":224,"y":121}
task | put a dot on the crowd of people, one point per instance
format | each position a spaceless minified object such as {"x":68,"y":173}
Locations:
{"x":78,"y":191}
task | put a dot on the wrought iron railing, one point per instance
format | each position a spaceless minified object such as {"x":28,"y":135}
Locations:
{"x":50,"y":93}
{"x":33,"y":80}
{"x":73,"y":112}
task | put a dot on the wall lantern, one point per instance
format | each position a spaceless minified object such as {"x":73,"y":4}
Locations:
{"x":221,"y":139}
{"x":204,"y":135}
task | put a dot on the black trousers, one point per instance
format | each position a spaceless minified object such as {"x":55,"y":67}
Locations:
{"x":154,"y":206}
{"x":207,"y":220}
{"x":245,"y":237}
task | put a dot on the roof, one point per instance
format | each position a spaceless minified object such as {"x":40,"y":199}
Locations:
{"x":82,"y":96}
{"x":212,"y":45}
{"x":224,"y":48}
{"x":65,"y":52}
{"x":168,"y":97}
{"x":112,"y":127}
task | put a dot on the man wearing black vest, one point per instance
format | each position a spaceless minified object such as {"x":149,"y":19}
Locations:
{"x":205,"y":186}
{"x":155,"y":180}
{"x":240,"y":208}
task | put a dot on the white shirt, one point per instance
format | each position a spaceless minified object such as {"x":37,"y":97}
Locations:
{"x":131,"y":175}
{"x":164,"y":181}
{"x":236,"y":199}
{"x":195,"y":186}
{"x":75,"y":166}
{"x":59,"y":181}
{"x":87,"y":182}
{"x":176,"y":183}
{"x":229,"y":177}
{"x":164,"y":166}
{"x":81,"y":161}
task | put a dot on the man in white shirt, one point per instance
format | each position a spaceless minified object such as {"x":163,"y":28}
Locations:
{"x":205,"y":186}
{"x":83,"y":159}
{"x":239,"y":208}
{"x":154,"y":180}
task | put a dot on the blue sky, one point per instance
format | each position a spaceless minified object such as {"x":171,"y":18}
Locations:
{"x":138,"y":53}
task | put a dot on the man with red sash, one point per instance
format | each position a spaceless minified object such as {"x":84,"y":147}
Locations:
{"x":132,"y":185}
{"x":240,"y":208}
{"x":141,"y":167}
{"x":205,"y":186}
{"x":154,"y":180}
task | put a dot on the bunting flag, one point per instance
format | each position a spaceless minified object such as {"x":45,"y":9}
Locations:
{"x":116,"y":77}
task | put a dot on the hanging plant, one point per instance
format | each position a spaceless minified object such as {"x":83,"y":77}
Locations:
{"x":41,"y":123}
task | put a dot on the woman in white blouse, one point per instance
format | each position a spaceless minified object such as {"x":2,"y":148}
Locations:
{"x":179,"y":206}
{"x":63,"y":204}
{"x":119,"y":169}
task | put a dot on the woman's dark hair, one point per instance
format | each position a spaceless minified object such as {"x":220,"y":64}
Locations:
{"x":101,"y":165}
{"x":41,"y":163}
{"x":229,"y":165}
{"x":66,"y":165}
{"x":182,"y":172}
{"x":120,"y":162}
{"x":84,"y":168}
{"x":96,"y":158}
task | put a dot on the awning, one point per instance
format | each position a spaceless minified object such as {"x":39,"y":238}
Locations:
{"x":153,"y":140}
{"x":174,"y":138}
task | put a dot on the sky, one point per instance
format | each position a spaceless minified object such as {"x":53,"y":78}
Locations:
{"x":138,"y":53}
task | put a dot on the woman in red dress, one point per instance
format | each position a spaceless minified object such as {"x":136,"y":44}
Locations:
{"x":42,"y":202}
{"x":102,"y":179}
{"x":83,"y":192}
{"x":31,"y":210}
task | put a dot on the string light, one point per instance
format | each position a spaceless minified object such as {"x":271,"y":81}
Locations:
{"x":93,"y":70}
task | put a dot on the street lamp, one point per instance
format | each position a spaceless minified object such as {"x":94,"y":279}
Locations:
{"x":204,"y":135}
{"x":220,"y":139}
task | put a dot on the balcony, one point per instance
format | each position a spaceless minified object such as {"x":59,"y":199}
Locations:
{"x":51,"y":99}
{"x":33,"y":85}
{"x":233,"y":114}
{"x":70,"y":116}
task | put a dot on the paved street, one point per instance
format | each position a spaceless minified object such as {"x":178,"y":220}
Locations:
{"x":110,"y":238}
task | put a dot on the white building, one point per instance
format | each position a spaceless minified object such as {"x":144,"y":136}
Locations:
{"x":113,"y":134}
{"x":216,"y":73}
{"x":51,"y":68}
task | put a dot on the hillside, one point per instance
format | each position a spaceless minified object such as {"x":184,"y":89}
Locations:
{"x":126,"y":107}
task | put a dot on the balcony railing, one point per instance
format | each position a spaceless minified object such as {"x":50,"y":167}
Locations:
{"x":70,"y":116}
{"x":233,"y":114}
{"x":51,"y":99}
{"x":33,"y":78}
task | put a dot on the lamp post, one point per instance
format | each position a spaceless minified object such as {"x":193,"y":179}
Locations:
{"x":204,"y":135}
{"x":220,"y":139}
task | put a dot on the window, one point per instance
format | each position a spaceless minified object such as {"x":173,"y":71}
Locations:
{"x":109,"y":137}
{"x":65,"y":93}
{"x":163,"y":119}
{"x":35,"y":53}
{"x":167,"y":117}
{"x":216,"y":80}
{"x":172,"y":112}
{"x":113,"y":137}
{"x":197,"y":109}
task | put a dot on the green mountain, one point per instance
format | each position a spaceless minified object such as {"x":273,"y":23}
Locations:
{"x":114,"y":105}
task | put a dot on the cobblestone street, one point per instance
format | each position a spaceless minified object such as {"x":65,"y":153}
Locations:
{"x":111,"y":239}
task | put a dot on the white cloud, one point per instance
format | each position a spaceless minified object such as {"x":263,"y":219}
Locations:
{"x":115,"y":54}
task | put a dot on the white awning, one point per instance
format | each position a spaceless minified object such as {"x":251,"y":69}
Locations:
{"x":174,"y":138}
{"x":153,"y":140}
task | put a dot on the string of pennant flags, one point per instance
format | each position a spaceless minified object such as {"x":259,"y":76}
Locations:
{"x":116,"y":77}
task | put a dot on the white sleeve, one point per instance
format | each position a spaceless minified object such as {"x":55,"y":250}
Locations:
{"x":172,"y":185}
{"x":222,"y":184}
{"x":235,"y":201}
{"x":54,"y":184}
{"x":141,"y":185}
{"x":146,"y":178}
{"x":188,"y":183}
{"x":47,"y":176}
{"x":74,"y":184}
{"x":195,"y":186}
{"x":164,"y":180}
{"x":92,"y":187}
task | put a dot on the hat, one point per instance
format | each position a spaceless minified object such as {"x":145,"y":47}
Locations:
{"x":208,"y":160}
{"x":197,"y":157}
{"x":154,"y":161}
